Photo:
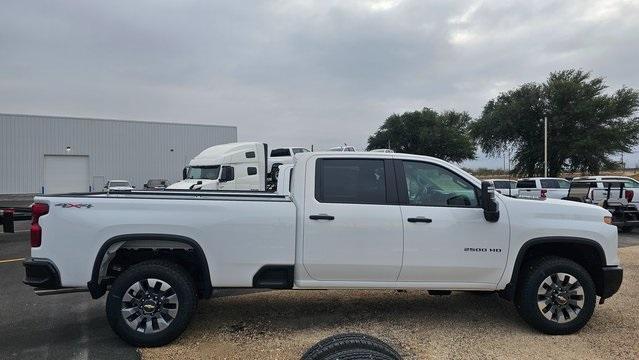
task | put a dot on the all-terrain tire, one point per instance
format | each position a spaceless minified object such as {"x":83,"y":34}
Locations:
{"x":159,"y":271}
{"x":349,"y":341}
{"x":539,"y":276}
{"x":358,"y":354}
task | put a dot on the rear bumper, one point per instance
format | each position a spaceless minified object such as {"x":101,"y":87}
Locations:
{"x":611,"y":279}
{"x":41,"y":273}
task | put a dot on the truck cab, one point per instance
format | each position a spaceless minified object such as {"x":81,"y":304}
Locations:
{"x":235,"y":166}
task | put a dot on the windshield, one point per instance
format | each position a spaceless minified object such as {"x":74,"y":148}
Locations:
{"x":119,"y":183}
{"x":203,"y":172}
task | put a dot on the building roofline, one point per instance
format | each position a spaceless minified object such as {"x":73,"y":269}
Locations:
{"x":114,"y":120}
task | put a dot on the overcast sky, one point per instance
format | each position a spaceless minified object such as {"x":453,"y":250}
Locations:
{"x":299,"y":72}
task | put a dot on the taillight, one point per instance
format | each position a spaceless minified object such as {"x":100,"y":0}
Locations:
{"x":37,"y":210}
{"x":629,"y":195}
{"x":543,"y":193}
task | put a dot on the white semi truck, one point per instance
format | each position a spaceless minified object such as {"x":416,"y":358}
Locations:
{"x":234,"y":166}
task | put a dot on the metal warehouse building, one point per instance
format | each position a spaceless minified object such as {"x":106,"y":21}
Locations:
{"x":54,"y":154}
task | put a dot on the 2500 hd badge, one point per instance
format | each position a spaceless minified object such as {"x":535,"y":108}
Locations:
{"x":495,"y":250}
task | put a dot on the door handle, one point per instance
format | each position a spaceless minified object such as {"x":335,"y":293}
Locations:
{"x":322,"y":217}
{"x":420,"y":219}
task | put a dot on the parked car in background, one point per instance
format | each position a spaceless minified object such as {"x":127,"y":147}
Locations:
{"x":543,"y":187}
{"x":387,"y":151}
{"x":342,"y":148}
{"x":506,"y":186}
{"x":630,"y":185}
{"x":613,"y":197}
{"x":118,"y":185}
{"x":156,"y":184}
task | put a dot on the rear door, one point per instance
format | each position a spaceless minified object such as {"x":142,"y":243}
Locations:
{"x":352,"y":222}
{"x":447,"y":240}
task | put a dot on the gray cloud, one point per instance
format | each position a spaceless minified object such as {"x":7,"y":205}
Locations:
{"x":299,"y":72}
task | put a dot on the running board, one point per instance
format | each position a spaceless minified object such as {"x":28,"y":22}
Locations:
{"x":45,"y":292}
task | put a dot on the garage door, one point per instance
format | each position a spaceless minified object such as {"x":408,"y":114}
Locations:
{"x":66,"y":174}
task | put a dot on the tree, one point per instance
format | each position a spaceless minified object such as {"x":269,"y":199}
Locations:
{"x":585,"y":125}
{"x":426,"y":132}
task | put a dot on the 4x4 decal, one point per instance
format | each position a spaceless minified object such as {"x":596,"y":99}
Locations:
{"x":71,"y":205}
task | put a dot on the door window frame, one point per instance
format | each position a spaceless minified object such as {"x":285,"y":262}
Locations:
{"x":402,"y":188}
{"x":389,"y":180}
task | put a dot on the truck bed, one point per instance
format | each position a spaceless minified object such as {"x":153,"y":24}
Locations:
{"x":239,"y":232}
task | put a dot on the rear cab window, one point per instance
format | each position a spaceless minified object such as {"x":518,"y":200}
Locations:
{"x":526,"y":184}
{"x":503,"y":184}
{"x":554,"y":184}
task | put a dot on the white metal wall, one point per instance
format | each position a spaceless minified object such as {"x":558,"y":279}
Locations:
{"x":132,"y":150}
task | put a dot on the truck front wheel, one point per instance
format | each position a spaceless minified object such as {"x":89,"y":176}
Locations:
{"x":556,"y":295}
{"x":151,"y":303}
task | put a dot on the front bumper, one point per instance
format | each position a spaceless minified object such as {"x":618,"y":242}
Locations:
{"x":41,"y":273}
{"x":611,"y":278}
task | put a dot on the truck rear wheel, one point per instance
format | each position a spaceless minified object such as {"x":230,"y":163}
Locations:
{"x":556,"y":295}
{"x":151,"y":303}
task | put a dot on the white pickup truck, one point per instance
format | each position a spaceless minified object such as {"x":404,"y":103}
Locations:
{"x":341,"y":220}
{"x":542,"y":188}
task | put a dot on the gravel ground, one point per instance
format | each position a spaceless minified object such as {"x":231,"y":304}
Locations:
{"x":283,"y":324}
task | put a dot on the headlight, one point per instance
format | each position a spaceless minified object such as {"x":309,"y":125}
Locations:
{"x":608,"y":220}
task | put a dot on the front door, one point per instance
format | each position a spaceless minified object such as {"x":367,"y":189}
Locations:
{"x":446,"y":238}
{"x":352,"y":223}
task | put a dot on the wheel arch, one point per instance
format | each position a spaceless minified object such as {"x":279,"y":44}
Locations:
{"x":544,"y":245}
{"x":96,"y":286}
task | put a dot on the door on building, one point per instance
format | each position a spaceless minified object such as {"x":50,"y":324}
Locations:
{"x":66,"y":173}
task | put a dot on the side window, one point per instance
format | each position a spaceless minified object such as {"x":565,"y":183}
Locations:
{"x":251,"y":170}
{"x":352,"y":181}
{"x":250,"y":154}
{"x":432,"y":185}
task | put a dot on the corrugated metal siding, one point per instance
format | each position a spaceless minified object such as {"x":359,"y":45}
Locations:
{"x":131,"y":150}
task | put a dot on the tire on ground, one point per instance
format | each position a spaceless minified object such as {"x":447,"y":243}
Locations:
{"x":358,"y":354}
{"x":534,"y":273}
{"x":340,"y":343}
{"x":165,"y":271}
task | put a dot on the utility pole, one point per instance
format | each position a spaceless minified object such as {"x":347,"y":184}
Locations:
{"x":545,"y":146}
{"x":508,"y":163}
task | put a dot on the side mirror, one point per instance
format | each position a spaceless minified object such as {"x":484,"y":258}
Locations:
{"x":228,"y":174}
{"x":491,"y":208}
{"x":184,"y":171}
